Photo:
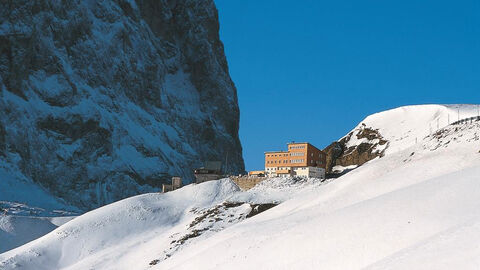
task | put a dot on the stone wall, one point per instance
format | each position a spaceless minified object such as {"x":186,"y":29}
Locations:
{"x":247,"y":182}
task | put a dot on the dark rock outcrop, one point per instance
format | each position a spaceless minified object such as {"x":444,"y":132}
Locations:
{"x":370,"y":144}
{"x":107,"y":99}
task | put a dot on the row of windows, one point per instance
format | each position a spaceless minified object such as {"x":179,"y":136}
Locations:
{"x":279,"y":168}
{"x":292,"y":161}
{"x":277,"y":155}
{"x":291,"y":154}
{"x":297,"y":147}
{"x":276,"y":161}
{"x":312,"y":170}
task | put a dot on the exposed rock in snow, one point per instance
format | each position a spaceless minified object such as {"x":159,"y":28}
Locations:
{"x":101,"y":100}
{"x":393,"y":130}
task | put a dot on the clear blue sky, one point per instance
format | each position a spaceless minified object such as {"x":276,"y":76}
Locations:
{"x":311,"y":70}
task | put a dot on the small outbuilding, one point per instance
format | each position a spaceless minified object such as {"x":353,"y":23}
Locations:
{"x":176,"y":184}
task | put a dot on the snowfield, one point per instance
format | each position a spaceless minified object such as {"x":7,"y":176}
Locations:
{"x":415,"y":208}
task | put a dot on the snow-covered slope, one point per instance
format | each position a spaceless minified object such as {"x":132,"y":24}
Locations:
{"x":95,"y":240}
{"x":148,"y":229}
{"x":18,"y":230}
{"x":27,"y":210}
{"x":423,"y":198}
{"x":403,"y":126}
{"x":392,"y":131}
{"x":411,"y":209}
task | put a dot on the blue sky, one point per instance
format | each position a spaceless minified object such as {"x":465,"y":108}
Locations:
{"x":311,"y":70}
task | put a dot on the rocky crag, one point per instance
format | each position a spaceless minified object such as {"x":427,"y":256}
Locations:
{"x":101,"y":100}
{"x":359,"y":146}
{"x":345,"y":153}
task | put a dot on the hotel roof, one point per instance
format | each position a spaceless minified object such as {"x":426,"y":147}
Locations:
{"x":270,"y":152}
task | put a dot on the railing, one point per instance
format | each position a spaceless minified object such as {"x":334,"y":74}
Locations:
{"x":466,"y":120}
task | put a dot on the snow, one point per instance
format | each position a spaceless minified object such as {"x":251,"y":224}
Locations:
{"x":27,"y":211}
{"x":150,"y":224}
{"x":387,"y":206}
{"x":277,"y":190}
{"x":97,"y":237}
{"x":457,"y":248}
{"x":414,"y":208}
{"x":341,"y":169}
{"x":18,"y":230}
{"x":404,"y":126}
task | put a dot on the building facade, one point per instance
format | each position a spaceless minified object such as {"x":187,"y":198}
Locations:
{"x":301,"y":159}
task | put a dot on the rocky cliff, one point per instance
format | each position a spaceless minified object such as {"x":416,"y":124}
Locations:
{"x":104,"y":99}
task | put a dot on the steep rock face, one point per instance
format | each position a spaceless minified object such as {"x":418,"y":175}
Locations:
{"x":101,"y":100}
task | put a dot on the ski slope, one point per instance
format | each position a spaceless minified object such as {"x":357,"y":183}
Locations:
{"x":414,"y":208}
